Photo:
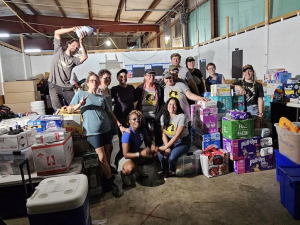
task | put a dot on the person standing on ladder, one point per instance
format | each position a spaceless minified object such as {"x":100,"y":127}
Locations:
{"x":63,"y":62}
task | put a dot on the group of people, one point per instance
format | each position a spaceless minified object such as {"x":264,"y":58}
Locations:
{"x":161,"y":108}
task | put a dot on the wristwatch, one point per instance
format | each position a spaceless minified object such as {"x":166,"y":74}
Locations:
{"x":120,"y":125}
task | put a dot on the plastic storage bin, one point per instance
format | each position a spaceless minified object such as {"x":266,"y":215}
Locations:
{"x":290,"y":189}
{"x":281,"y":160}
{"x":60,"y":200}
{"x":289,"y":143}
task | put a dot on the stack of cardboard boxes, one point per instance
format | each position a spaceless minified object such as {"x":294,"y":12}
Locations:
{"x":19,"y":94}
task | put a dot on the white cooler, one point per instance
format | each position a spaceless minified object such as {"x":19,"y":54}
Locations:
{"x":60,"y":201}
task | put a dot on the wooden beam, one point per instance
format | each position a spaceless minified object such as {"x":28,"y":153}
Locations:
{"x":227,"y":26}
{"x":15,"y":8}
{"x":22,"y":43}
{"x":98,"y":37}
{"x":30,"y":7}
{"x":120,"y":8}
{"x":214,"y":18}
{"x":153,"y":5}
{"x":199,"y":4}
{"x":10,"y":46}
{"x":174,"y":22}
{"x":60,"y":8}
{"x":267,"y":12}
{"x":89,"y":2}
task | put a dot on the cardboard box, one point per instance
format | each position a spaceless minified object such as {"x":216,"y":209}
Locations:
{"x":20,"y":86}
{"x":203,"y":141}
{"x":236,"y":129}
{"x":242,"y":148}
{"x":19,"y":107}
{"x":53,"y":158}
{"x":238,"y":102}
{"x":272,"y":87}
{"x":24,"y":97}
{"x":9,"y":161}
{"x":46,"y":122}
{"x":209,"y":104}
{"x":292,"y":90}
{"x":72,"y":123}
{"x":13,"y":142}
{"x":206,"y":124}
{"x":2,"y":100}
{"x":253,"y":164}
{"x":224,"y":103}
{"x":220,"y":90}
{"x":215,"y":163}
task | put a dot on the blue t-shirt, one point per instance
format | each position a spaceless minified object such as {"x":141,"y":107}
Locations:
{"x":135,"y":139}
{"x":95,"y":113}
{"x":218,"y":79}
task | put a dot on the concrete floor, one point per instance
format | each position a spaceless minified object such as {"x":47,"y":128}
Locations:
{"x":252,"y":198}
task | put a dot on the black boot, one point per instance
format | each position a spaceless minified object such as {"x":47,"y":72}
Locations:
{"x":128,"y":181}
{"x":114,"y":188}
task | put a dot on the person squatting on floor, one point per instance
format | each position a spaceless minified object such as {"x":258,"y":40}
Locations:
{"x":63,"y":62}
{"x":95,"y":111}
{"x":137,"y":148}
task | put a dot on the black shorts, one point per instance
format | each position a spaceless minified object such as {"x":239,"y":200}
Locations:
{"x":100,"y":140}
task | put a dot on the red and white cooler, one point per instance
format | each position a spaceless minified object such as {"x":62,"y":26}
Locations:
{"x":60,"y":201}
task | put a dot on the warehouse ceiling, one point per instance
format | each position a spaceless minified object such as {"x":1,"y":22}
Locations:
{"x":119,"y":18}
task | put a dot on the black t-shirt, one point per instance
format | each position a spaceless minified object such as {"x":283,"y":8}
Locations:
{"x":252,"y":93}
{"x":197,"y":76}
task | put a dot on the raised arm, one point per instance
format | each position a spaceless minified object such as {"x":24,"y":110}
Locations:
{"x":62,"y":31}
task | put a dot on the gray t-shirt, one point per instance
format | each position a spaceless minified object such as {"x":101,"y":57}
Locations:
{"x":61,"y":66}
{"x":179,"y":120}
{"x":178,"y":91}
{"x":149,"y":103}
{"x":95,"y":115}
{"x":184,"y":74}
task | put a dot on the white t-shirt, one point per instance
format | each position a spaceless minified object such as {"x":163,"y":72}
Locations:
{"x":178,"y":91}
{"x":184,"y":74}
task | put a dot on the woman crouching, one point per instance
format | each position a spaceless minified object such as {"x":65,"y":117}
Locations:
{"x":175,"y":136}
{"x":137,"y":148}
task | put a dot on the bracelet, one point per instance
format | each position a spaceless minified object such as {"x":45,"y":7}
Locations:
{"x":120,"y":125}
{"x":138,"y":154}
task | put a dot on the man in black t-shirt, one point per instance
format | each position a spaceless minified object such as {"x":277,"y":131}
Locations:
{"x":196,"y":73}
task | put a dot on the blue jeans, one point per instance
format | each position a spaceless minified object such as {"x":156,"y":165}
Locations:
{"x":181,"y":147}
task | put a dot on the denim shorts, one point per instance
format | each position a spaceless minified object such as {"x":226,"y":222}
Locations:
{"x":100,"y":140}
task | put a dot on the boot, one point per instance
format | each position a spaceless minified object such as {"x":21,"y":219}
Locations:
{"x":115,"y":190}
{"x":128,"y":181}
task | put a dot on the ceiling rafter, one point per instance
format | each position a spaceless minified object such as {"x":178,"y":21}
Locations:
{"x":15,"y":8}
{"x":153,"y":5}
{"x":120,"y":8}
{"x":60,"y":8}
{"x":89,"y":2}
{"x":30,"y":7}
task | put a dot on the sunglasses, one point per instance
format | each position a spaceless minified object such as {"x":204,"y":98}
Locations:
{"x":136,"y":118}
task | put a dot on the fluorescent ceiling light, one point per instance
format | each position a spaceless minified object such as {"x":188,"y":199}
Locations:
{"x":4,"y":35}
{"x":108,"y":43}
{"x":32,"y":50}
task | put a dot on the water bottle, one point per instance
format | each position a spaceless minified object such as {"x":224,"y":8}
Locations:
{"x":86,"y":29}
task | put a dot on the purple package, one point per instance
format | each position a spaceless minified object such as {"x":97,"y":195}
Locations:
{"x":209,"y":111}
{"x":242,"y":148}
{"x":253,"y":164}
{"x":206,"y":124}
{"x":237,"y":115}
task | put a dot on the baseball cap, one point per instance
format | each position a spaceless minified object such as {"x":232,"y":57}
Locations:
{"x":166,"y":75}
{"x":122,"y":71}
{"x":150,"y":71}
{"x":190,"y":59}
{"x":173,"y":67}
{"x":248,"y":66}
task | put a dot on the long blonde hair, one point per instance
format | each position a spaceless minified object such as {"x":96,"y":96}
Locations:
{"x":91,"y":73}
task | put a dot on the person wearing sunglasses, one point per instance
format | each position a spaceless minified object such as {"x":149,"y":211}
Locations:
{"x":124,"y":98}
{"x":180,"y":91}
{"x":105,"y":80}
{"x":96,"y":111}
{"x":176,"y":136}
{"x":149,"y":98}
{"x":137,"y":148}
